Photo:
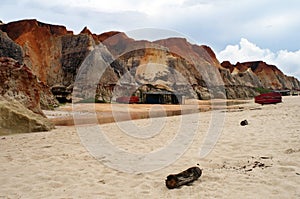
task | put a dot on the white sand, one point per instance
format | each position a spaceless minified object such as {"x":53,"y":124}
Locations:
{"x":56,"y":165}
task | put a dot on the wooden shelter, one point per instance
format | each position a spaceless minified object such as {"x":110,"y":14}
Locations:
{"x":161,"y":97}
{"x":283,"y":92}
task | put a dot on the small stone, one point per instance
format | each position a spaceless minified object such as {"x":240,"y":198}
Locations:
{"x":244,"y":123}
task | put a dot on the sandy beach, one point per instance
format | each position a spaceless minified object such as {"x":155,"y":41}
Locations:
{"x":259,"y":160}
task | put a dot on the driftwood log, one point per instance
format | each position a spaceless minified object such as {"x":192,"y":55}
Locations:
{"x":183,"y":178}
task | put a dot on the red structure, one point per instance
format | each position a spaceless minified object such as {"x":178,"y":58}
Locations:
{"x":268,"y":98}
{"x":128,"y":100}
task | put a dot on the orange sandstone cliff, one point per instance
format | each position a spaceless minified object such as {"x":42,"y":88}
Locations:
{"x":269,"y":75}
{"x":56,"y":56}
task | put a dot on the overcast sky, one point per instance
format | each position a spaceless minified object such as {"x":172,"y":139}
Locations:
{"x":244,"y":30}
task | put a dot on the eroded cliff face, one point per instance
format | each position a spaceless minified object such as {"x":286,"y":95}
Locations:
{"x":269,"y":75}
{"x":55,"y":56}
{"x":96,"y":78}
{"x":192,"y":52}
{"x":155,"y":69}
{"x":172,"y":65}
{"x":52,"y":52}
{"x":19,"y":82}
{"x":240,"y":85}
{"x":41,"y":45}
{"x":8,"y":48}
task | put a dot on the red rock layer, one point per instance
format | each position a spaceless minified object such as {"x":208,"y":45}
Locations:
{"x":269,"y":75}
{"x":39,"y":42}
{"x":55,"y":54}
{"x":20,"y":83}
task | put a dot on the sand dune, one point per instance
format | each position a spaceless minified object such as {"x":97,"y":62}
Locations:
{"x":260,"y":160}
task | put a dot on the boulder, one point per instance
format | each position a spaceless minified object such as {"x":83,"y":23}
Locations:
{"x":16,"y":118}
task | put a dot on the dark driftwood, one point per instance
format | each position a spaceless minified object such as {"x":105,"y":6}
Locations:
{"x":183,"y":178}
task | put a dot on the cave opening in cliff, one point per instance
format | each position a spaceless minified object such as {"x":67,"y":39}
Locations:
{"x":162,"y":97}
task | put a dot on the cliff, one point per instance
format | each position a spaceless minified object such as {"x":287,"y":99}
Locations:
{"x":52,"y":52}
{"x":55,"y":55}
{"x":8,"y":48}
{"x":269,"y":75}
{"x":19,"y":82}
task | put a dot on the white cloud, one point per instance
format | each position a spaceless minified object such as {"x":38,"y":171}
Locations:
{"x":245,"y":51}
{"x":288,"y":62}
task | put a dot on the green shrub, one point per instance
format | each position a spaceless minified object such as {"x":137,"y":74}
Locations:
{"x":263,"y":90}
